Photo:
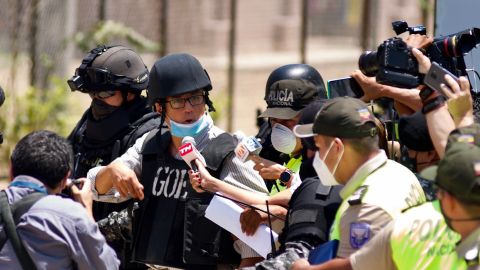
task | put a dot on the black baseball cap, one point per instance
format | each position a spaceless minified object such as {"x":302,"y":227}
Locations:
{"x":342,"y":117}
{"x":458,"y":172}
{"x":469,"y":135}
{"x":287,"y":98}
{"x":308,"y":117}
{"x":413,"y":132}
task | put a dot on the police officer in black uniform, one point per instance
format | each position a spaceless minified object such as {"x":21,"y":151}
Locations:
{"x":291,"y":71}
{"x":170,"y":228}
{"x":311,"y":210}
{"x":114,"y":77}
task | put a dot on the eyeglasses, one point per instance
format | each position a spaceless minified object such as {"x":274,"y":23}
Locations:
{"x":180,"y":102}
{"x":103,"y":94}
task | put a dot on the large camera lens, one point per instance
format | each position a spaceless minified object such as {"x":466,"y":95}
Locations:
{"x":459,"y":44}
{"x":368,"y":63}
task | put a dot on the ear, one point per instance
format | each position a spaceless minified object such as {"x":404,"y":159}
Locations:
{"x":63,"y":184}
{"x":158,"y":108}
{"x":338,"y":145}
{"x":450,"y":204}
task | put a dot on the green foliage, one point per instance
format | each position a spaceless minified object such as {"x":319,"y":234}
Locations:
{"x":35,"y":110}
{"x":104,"y":31}
{"x":219,"y":101}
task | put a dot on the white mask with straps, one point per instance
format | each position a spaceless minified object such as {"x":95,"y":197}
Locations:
{"x":326,"y":177}
{"x":283,"y":139}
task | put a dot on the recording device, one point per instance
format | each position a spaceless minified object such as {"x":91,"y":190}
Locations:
{"x":401,"y":27}
{"x":436,"y":76}
{"x":245,"y":145}
{"x":68,"y":190}
{"x":189,"y":153}
{"x":394,"y":64}
{"x":344,"y":87}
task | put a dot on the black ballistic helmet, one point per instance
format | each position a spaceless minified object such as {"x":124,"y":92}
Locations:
{"x":297,"y":71}
{"x":177,"y":74}
{"x":109,"y":68}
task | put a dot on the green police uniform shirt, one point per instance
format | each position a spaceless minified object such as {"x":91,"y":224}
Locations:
{"x":377,"y":192}
{"x":417,"y":239}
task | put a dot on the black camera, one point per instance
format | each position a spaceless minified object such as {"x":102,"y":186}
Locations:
{"x":68,"y":190}
{"x":393,"y":64}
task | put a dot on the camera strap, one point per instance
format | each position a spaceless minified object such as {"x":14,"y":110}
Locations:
{"x":28,"y":185}
{"x":433,"y":104}
{"x":10,"y":217}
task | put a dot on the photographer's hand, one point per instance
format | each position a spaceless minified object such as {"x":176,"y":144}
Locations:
{"x":423,"y":61}
{"x":419,"y":41}
{"x":372,"y":90}
{"x":84,"y":195}
{"x":459,"y":101}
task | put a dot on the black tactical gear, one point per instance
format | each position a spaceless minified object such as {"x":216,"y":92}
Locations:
{"x":297,"y":71}
{"x":170,"y":228}
{"x":176,"y":74}
{"x":110,"y":68}
{"x":311,"y":213}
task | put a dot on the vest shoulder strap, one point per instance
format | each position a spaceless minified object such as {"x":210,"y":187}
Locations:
{"x":215,"y":155}
{"x":10,"y":216}
{"x":137,"y":129}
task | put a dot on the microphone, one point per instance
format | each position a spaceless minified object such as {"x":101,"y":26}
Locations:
{"x":238,"y":137}
{"x":189,"y":153}
{"x":245,"y":145}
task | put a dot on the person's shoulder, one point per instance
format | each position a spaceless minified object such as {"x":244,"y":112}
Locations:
{"x":58,"y":206}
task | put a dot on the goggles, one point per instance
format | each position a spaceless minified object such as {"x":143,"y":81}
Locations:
{"x":102,"y":95}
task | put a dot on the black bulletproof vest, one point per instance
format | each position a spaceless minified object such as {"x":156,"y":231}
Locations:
{"x":170,"y":227}
{"x":312,"y":211}
{"x":137,"y":120}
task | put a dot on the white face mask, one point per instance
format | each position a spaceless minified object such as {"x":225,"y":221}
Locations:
{"x":326,"y":177}
{"x":283,"y":139}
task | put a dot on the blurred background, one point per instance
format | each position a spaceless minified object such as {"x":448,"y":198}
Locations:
{"x":239,"y":42}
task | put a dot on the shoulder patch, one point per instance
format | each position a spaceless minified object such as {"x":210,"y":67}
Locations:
{"x":359,"y":234}
{"x":357,"y":196}
{"x":472,"y":256}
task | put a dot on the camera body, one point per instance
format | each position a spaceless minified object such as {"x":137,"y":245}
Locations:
{"x":393,"y":64}
{"x":68,"y":190}
{"x":397,"y":65}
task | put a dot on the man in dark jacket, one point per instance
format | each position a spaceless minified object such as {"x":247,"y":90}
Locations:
{"x":114,"y":77}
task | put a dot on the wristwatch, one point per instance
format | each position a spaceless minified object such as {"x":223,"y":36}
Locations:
{"x":286,"y":175}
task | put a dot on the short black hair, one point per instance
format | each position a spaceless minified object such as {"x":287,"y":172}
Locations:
{"x":366,"y":145}
{"x":44,"y":155}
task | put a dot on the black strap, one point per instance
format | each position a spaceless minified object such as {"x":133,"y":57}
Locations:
{"x":10,"y":221}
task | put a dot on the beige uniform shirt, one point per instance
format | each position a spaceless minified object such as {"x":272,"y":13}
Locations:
{"x":390,"y":186}
{"x":377,"y":253}
{"x":468,"y":249}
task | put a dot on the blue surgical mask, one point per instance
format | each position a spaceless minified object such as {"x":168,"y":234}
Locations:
{"x":193,"y":129}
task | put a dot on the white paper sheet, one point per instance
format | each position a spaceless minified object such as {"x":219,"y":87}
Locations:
{"x":226,"y":214}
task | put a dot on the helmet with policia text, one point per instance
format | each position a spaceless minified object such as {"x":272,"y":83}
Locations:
{"x":110,"y":68}
{"x":175,"y":75}
{"x":297,"y":71}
